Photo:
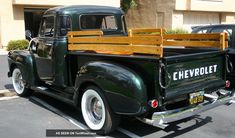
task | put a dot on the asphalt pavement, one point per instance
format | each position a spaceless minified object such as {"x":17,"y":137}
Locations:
{"x":5,"y":82}
{"x":22,"y":118}
{"x":27,"y":117}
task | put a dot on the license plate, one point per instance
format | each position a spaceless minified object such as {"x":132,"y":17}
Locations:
{"x":197,"y":97}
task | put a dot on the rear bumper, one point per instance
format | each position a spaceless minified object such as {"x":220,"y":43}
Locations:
{"x":161,"y":119}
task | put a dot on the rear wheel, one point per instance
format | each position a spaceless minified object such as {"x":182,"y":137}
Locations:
{"x":96,"y":111}
{"x":19,"y":83}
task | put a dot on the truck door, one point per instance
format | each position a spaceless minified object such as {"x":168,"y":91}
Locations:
{"x":44,"y":52}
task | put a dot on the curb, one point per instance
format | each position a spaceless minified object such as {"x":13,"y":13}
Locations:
{"x":6,"y":90}
{"x":8,"y":98}
{"x":3,"y":52}
{"x":7,"y":93}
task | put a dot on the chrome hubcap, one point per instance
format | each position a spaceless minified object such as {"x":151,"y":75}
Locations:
{"x":94,"y":111}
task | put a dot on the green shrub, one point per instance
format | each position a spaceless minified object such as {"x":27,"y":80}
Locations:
{"x":177,"y":31}
{"x":17,"y":45}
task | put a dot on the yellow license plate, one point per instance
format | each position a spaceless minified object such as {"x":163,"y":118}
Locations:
{"x":197,"y":97}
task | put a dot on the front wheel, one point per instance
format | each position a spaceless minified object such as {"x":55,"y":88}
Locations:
{"x":96,"y":111}
{"x":19,"y":83}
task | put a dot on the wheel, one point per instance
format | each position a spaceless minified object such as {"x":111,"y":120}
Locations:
{"x":19,"y":83}
{"x":96,"y":111}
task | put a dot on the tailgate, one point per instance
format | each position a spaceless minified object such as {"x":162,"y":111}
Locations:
{"x":194,"y":72}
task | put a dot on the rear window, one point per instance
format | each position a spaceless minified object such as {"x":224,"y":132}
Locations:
{"x":64,"y":25}
{"x":103,"y":22}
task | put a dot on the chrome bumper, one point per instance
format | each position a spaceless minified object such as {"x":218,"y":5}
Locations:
{"x":160,"y":119}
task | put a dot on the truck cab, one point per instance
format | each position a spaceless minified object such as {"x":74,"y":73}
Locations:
{"x":51,"y":48}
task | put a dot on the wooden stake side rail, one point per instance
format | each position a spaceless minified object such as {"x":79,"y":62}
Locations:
{"x":216,"y":40}
{"x":126,"y":45}
{"x":141,"y":41}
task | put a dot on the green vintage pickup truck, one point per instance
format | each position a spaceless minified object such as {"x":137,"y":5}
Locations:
{"x":85,"y":56}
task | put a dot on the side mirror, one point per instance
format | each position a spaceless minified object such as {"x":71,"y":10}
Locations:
{"x":34,"y":48}
{"x":33,"y":44}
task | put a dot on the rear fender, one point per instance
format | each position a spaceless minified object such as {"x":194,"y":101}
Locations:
{"x":124,"y":89}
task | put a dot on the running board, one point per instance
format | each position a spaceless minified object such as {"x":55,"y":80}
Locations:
{"x":68,"y":98}
{"x":41,"y":88}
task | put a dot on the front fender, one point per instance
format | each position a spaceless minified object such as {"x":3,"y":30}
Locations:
{"x":123,"y":88}
{"x":25,"y":62}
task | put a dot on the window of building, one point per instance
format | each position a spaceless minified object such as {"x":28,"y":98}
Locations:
{"x":160,"y":19}
{"x":65,"y":25}
{"x":47,"y":26}
{"x":103,"y":22}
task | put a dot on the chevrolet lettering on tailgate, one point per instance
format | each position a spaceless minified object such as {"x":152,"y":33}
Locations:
{"x":190,"y":73}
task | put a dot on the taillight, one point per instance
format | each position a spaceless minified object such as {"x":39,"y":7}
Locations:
{"x":227,"y":85}
{"x":153,"y":103}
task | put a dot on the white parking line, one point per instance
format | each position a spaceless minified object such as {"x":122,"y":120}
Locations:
{"x":128,"y":133}
{"x":74,"y":121}
{"x":71,"y":120}
{"x":55,"y":110}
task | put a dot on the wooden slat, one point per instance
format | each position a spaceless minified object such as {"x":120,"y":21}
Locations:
{"x":149,"y":40}
{"x":82,"y":33}
{"x":112,"y":49}
{"x":192,"y":43}
{"x":145,"y":35}
{"x":192,"y":36}
{"x":146,"y":31}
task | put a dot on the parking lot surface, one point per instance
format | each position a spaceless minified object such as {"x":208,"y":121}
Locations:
{"x":5,"y":82}
{"x":32,"y":116}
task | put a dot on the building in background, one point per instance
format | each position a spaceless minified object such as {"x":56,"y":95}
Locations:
{"x":16,"y":16}
{"x":181,"y":13}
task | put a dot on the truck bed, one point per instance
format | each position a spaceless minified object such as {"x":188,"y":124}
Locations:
{"x":156,"y":58}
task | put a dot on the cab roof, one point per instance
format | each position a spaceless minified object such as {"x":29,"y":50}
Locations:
{"x":83,"y":9}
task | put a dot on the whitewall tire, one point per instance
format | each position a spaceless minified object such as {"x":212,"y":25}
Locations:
{"x":96,"y":111}
{"x":19,"y":83}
